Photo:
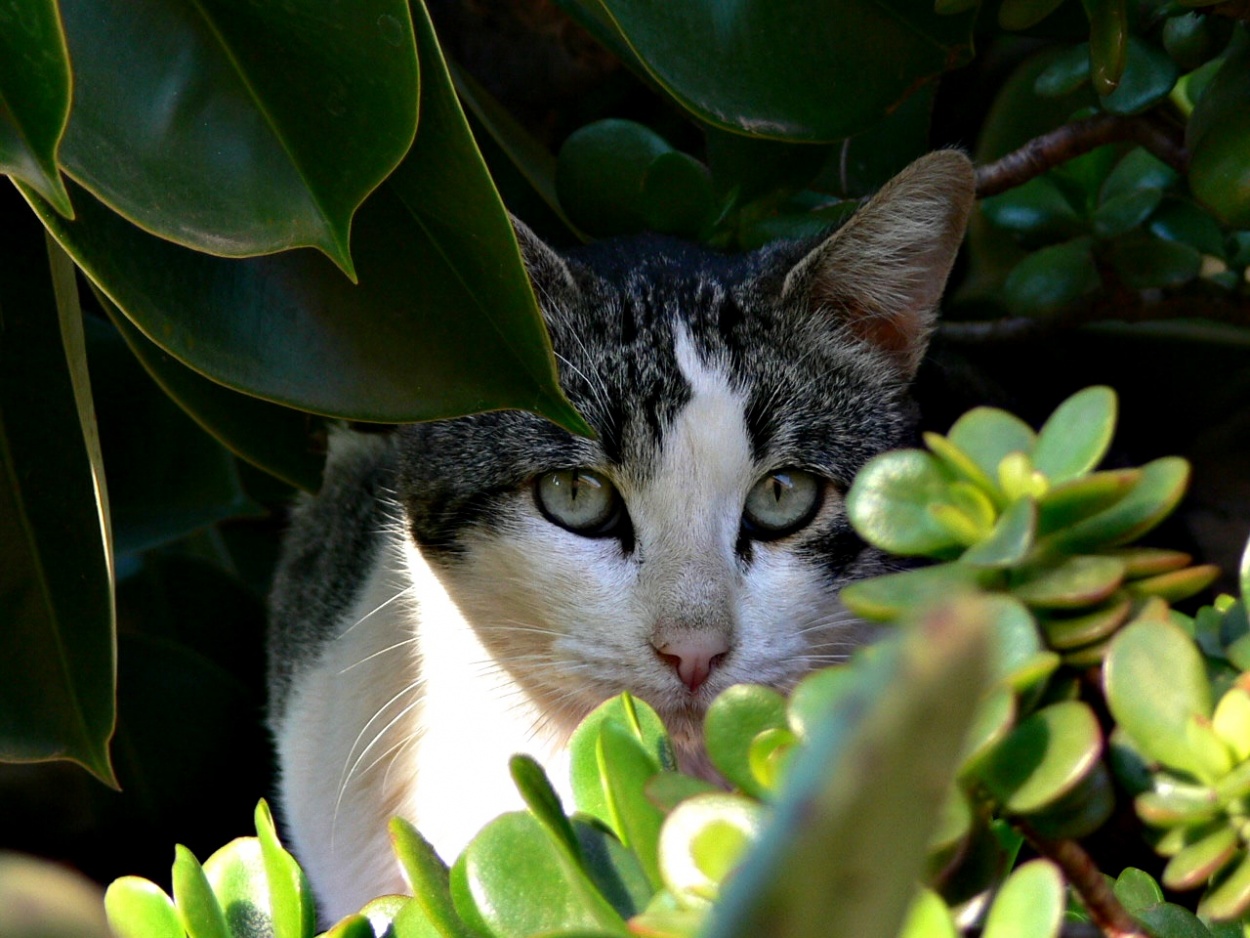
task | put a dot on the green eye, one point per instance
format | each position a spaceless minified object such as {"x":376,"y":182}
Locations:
{"x":780,"y":504}
{"x":581,"y":500}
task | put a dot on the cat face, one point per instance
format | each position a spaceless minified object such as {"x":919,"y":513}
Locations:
{"x":701,"y":540}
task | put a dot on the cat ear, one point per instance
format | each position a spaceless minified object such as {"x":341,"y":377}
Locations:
{"x":550,"y":273}
{"x":882,"y":273}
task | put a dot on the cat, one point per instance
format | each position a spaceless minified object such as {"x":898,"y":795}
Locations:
{"x":466,"y":589}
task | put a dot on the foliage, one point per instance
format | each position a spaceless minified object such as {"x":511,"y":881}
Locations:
{"x":887,"y":796}
{"x":286,"y":212}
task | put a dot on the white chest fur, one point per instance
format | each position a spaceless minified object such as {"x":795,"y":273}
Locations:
{"x":404,"y":714}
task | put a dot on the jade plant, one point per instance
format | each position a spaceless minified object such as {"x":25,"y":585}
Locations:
{"x":939,"y":783}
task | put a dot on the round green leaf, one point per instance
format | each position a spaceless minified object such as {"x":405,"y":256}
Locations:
{"x":590,"y":792}
{"x":138,"y":908}
{"x":1187,"y":40}
{"x":1079,"y":498}
{"x":1043,"y":758}
{"x":1023,"y":14}
{"x":238,"y":877}
{"x":834,"y":83}
{"x":1155,"y":684}
{"x":291,"y":903}
{"x":1038,"y":209}
{"x":734,"y":719}
{"x":1232,"y":721}
{"x":1010,"y":541}
{"x":677,"y":196}
{"x":1183,"y":221}
{"x":1068,"y":632}
{"x":319,"y":105}
{"x":1149,"y":75}
{"x":928,"y":917}
{"x":702,"y":841}
{"x":1051,"y":278}
{"x":600,"y":173}
{"x":1030,"y":904}
{"x":1138,"y":171}
{"x":1125,"y":212}
{"x":625,"y":767}
{"x":1230,"y":897}
{"x":888,"y":597}
{"x":987,"y":435}
{"x":890,"y":499}
{"x":429,"y":878}
{"x":35,"y":91}
{"x":1066,"y":73}
{"x":1076,"y":436}
{"x":1145,"y":261}
{"x":518,"y":882}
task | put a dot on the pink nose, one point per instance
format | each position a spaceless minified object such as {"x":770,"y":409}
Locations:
{"x":693,"y":656}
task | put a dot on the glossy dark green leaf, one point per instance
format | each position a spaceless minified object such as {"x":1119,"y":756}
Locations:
{"x":1183,"y":221}
{"x":1073,"y":583}
{"x":138,"y":908}
{"x":600,"y":173}
{"x":867,"y":161}
{"x":1051,"y":278}
{"x":513,"y":881}
{"x":1029,"y":904}
{"x":429,"y":878}
{"x":1139,"y":170}
{"x":175,"y":478}
{"x":1037,"y":209}
{"x":1108,"y":38}
{"x":1125,"y":212}
{"x":1043,"y":758}
{"x":237,"y":874}
{"x":42,"y":899}
{"x":889,"y":503}
{"x":862,"y":800}
{"x":1152,"y":499}
{"x":756,"y":167}
{"x":197,"y":907}
{"x":1023,"y":14}
{"x":1187,"y":40}
{"x":1217,"y":135}
{"x":57,"y":594}
{"x":1066,"y":73}
{"x":1075,"y":437}
{"x":34,"y":97}
{"x":733,"y":720}
{"x":319,"y":104}
{"x":1155,"y":684}
{"x":1148,"y":77}
{"x":720,"y":62}
{"x":400,"y":344}
{"x":677,"y":196}
{"x":276,"y":439}
{"x":887,"y":597}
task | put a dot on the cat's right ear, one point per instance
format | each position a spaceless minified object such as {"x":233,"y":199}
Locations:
{"x":880,"y":276}
{"x":553,"y":280}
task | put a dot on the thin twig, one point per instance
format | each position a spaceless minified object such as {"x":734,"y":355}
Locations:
{"x":1081,"y":873}
{"x":1074,"y":139}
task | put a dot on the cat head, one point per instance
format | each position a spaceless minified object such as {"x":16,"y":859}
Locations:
{"x":701,"y":539}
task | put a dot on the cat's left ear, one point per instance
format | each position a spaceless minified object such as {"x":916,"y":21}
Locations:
{"x":881,"y":274}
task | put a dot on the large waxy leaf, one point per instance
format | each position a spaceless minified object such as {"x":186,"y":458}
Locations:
{"x":56,"y":592}
{"x":443,"y":322}
{"x":316,"y":104}
{"x":274,"y":438}
{"x":34,"y":97}
{"x":1217,"y":135}
{"x":864,"y":796}
{"x":719,"y":60}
